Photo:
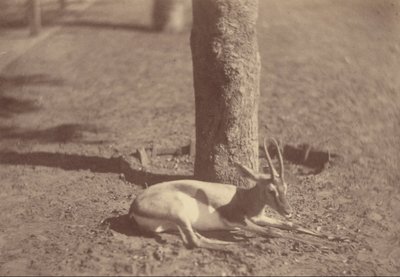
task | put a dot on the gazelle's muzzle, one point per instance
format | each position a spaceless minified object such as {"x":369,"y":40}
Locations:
{"x":288,"y":216}
{"x":284,"y":208}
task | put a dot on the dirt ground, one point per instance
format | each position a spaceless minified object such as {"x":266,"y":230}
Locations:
{"x":104,"y":85}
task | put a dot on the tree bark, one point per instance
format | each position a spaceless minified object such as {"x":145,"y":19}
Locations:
{"x":226,"y":70}
{"x":169,"y":15}
{"x":34,"y":17}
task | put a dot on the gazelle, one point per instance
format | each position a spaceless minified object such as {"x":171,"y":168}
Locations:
{"x":190,"y":205}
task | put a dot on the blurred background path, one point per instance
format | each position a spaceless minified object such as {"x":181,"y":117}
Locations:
{"x":14,"y":35}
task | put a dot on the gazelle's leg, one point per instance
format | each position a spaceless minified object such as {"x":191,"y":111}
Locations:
{"x":263,"y":220}
{"x":189,"y":237}
{"x":215,"y":241}
{"x":183,"y":236}
{"x":193,"y":239}
{"x":252,"y":227}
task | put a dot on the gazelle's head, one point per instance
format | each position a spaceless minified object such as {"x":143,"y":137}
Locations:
{"x":272,"y":186}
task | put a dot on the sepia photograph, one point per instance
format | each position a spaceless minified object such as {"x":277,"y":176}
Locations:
{"x":199,"y":137}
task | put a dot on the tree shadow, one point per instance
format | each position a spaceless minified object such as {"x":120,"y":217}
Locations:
{"x":310,"y":157}
{"x":314,"y":159}
{"x":304,"y":155}
{"x":33,"y":79}
{"x":95,"y":164}
{"x":62,"y":133}
{"x":10,"y":105}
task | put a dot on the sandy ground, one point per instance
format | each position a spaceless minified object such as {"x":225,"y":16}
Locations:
{"x":103,"y":85}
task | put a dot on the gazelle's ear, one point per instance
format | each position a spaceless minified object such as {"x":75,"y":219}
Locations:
{"x":247,"y":172}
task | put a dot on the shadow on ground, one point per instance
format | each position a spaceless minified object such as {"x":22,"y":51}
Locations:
{"x":24,"y":80}
{"x":95,"y":164}
{"x":60,"y":134}
{"x":10,"y":105}
{"x":304,"y":155}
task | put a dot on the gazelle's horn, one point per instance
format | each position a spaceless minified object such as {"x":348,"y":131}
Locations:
{"x":269,"y":160}
{"x":281,"y":171}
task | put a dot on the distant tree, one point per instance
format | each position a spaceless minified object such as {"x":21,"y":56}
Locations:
{"x":34,"y":16}
{"x":169,"y":15}
{"x":63,"y":4}
{"x":226,"y":68}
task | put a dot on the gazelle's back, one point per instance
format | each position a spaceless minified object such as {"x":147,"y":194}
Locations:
{"x":214,"y":194}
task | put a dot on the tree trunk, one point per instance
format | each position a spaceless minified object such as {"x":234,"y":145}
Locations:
{"x":169,"y":15}
{"x":34,"y":17}
{"x":226,"y":69}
